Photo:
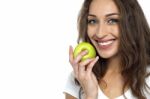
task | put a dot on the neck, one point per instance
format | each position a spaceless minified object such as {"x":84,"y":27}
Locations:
{"x":114,"y":65}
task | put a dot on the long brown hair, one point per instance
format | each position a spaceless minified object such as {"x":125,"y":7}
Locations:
{"x":134,"y":44}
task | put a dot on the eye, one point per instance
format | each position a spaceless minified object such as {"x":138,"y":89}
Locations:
{"x":113,"y":21}
{"x":92,"y":21}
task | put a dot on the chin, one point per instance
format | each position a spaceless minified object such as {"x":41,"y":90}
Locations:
{"x":107,"y":55}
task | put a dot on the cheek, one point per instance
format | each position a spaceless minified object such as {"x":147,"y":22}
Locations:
{"x":91,"y":31}
{"x":115,"y":30}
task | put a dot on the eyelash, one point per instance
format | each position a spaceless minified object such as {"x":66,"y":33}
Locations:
{"x":109,"y":21}
{"x":112,"y":21}
{"x":92,"y":21}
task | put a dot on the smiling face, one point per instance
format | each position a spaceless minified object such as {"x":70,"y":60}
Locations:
{"x":103,"y":27}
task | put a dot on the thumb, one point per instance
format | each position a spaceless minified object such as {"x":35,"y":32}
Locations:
{"x":90,"y":66}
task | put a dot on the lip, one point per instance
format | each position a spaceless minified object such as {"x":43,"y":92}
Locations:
{"x":105,"y":44}
{"x":103,"y":39}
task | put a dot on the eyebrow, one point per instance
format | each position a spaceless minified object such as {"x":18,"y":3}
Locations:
{"x":107,"y":15}
{"x":112,"y":14}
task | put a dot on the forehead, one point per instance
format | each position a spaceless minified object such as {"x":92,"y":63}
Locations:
{"x":103,"y":7}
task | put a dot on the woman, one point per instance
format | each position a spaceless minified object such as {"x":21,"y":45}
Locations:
{"x":120,"y":34}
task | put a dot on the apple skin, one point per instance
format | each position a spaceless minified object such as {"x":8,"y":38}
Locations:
{"x":84,"y":46}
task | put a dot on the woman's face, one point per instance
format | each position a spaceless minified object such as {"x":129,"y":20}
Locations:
{"x":103,"y":27}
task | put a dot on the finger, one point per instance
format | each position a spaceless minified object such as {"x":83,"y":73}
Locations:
{"x":83,"y":64}
{"x":80,"y":55}
{"x":70,"y":54}
{"x":90,"y":66}
{"x":71,"y":60}
{"x":82,"y":67}
{"x":76,"y":71}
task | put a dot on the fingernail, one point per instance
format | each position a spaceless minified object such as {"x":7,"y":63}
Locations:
{"x":97,"y":57}
{"x":70,"y":46}
{"x":86,"y":51}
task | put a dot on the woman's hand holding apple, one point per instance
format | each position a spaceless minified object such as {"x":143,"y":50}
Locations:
{"x":83,"y":72}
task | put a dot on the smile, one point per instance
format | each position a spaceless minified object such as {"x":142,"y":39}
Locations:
{"x":106,"y":44}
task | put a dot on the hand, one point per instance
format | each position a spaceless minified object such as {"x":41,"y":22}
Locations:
{"x":83,"y":73}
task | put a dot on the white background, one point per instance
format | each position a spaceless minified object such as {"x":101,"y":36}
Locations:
{"x":34,"y":40}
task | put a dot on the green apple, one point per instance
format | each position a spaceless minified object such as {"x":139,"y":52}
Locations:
{"x":85,"y":46}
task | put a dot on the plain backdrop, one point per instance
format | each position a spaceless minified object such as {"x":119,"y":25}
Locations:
{"x":34,"y":41}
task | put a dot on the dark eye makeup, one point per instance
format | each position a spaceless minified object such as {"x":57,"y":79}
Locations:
{"x":92,"y":21}
{"x":112,"y":21}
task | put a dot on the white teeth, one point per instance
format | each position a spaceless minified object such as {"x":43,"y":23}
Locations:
{"x":105,"y":43}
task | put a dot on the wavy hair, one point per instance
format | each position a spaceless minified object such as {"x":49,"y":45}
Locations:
{"x":134,"y":44}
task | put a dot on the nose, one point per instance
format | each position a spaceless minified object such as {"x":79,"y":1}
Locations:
{"x":101,"y":30}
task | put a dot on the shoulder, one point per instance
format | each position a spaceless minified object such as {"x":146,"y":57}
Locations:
{"x":148,"y":72}
{"x":71,"y":87}
{"x":147,"y":79}
{"x":148,"y":69}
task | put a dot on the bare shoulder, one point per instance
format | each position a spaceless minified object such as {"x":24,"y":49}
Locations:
{"x":68,"y":96}
{"x":148,"y":75}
